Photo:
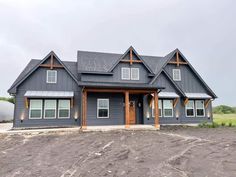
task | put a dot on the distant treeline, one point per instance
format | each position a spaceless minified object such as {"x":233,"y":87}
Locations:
{"x":223,"y":109}
{"x":9,"y":99}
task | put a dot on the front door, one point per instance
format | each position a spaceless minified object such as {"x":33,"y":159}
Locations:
{"x":132,"y":115}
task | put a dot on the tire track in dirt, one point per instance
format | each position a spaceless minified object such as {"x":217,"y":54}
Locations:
{"x":169,"y":163}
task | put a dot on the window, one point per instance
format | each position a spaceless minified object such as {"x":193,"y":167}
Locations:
{"x":51,"y":76}
{"x":102,"y":108}
{"x":35,"y":111}
{"x":200,"y":109}
{"x":134,"y":73}
{"x":64,"y":109}
{"x":190,"y":109}
{"x":160,"y":108}
{"x":168,"y":108}
{"x":50,"y":109}
{"x":176,"y":75}
{"x":125,"y":73}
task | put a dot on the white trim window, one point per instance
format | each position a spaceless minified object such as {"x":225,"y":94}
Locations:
{"x":200,"y":109}
{"x":102,"y":108}
{"x":35,"y":110}
{"x":50,"y":107}
{"x":51,"y":76}
{"x":176,"y":75}
{"x":160,"y":108}
{"x":64,"y":109}
{"x":168,"y":108}
{"x":189,"y":109}
{"x":125,"y":73}
{"x":134,"y":73}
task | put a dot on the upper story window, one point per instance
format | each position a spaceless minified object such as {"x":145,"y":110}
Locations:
{"x":130,"y":73}
{"x":125,"y":73}
{"x":51,"y":76}
{"x":176,"y":75}
{"x":134,"y":73}
{"x":102,"y":108}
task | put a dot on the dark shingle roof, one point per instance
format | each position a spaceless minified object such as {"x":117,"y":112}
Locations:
{"x":103,"y":62}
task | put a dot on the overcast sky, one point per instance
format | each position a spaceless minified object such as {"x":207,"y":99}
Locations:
{"x":204,"y":31}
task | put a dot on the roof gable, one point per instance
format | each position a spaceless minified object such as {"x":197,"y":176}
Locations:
{"x":131,"y":52}
{"x":48,"y":62}
{"x":181,"y":59}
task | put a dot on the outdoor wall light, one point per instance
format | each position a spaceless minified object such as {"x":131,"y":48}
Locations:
{"x":22,"y":117}
{"x":76,"y":116}
{"x":148,"y":115}
{"x":209,"y":115}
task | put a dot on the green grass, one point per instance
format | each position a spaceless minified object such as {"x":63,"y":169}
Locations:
{"x":225,"y":119}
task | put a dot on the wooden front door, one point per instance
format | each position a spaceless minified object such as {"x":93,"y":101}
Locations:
{"x":132,"y":115}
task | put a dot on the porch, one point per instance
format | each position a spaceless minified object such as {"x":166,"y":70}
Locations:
{"x":126,"y":108}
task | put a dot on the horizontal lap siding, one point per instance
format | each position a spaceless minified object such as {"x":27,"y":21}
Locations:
{"x":116,"y":109}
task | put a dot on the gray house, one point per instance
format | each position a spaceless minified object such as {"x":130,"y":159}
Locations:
{"x":111,"y":89}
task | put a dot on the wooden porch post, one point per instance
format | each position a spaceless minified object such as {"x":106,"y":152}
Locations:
{"x":126,"y":109}
{"x":84,"y":111}
{"x":156,"y":110}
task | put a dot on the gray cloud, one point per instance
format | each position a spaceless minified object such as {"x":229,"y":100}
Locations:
{"x":203,"y":30}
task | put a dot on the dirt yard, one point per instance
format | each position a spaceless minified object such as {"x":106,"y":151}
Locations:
{"x":171,"y":152}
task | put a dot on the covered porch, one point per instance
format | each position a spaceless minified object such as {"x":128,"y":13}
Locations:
{"x":128,"y":113}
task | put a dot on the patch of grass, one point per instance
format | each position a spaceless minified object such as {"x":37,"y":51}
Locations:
{"x":223,"y":120}
{"x":226,"y":119}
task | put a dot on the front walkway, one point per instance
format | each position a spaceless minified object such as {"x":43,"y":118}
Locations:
{"x":6,"y":128}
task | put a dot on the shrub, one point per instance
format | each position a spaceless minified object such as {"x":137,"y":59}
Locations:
{"x":222,"y":124}
{"x":230,"y":124}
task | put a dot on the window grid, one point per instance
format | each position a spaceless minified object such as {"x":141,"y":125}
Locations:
{"x":50,"y":106}
{"x":103,"y":106}
{"x":34,"y":108}
{"x":176,"y":75}
{"x":51,"y":76}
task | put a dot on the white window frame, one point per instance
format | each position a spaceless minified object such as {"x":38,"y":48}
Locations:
{"x":122,"y":73}
{"x":108,"y":109}
{"x":178,"y":71}
{"x":132,"y":70}
{"x":159,"y":107}
{"x":172,"y":109}
{"x":55,"y":110}
{"x":186,"y":108}
{"x":50,"y":82}
{"x":61,"y":109}
{"x":200,"y":108}
{"x":30,"y":108}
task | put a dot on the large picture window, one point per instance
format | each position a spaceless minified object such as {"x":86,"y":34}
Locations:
{"x":51,"y":76}
{"x":35,"y":111}
{"x":64,"y":109}
{"x":102,"y":108}
{"x":160,"y":108}
{"x":200,"y":109}
{"x":50,"y":109}
{"x":190,"y":109}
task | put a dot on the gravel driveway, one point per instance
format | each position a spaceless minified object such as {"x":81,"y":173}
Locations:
{"x":170,"y":152}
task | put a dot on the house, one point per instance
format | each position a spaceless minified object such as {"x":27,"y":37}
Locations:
{"x":111,"y":89}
